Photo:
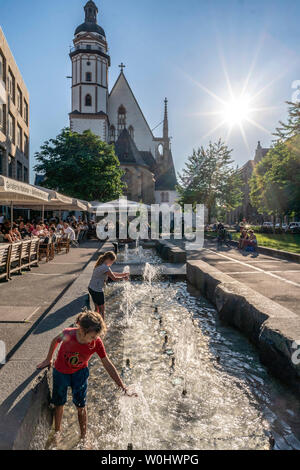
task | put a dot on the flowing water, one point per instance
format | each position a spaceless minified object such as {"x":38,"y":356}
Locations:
{"x":200,"y":384}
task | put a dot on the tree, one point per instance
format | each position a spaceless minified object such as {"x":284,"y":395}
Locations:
{"x":275,"y":183}
{"x":209,"y":178}
{"x":80,"y":166}
{"x":292,"y":127}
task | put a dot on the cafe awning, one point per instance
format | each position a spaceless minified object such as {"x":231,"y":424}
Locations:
{"x":17,"y":192}
{"x":118,"y":205}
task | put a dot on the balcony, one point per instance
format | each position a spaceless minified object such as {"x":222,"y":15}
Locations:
{"x":2,"y":92}
{"x":93,"y":49}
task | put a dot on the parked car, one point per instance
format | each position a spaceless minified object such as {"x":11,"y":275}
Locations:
{"x":294,"y":227}
{"x":267,"y":224}
{"x":283,"y":226}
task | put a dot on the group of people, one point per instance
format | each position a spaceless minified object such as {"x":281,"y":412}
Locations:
{"x":12,"y":232}
{"x":78,"y":344}
{"x":247,"y":239}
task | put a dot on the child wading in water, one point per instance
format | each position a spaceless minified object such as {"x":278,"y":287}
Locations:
{"x":100,"y":274}
{"x":77,"y":345}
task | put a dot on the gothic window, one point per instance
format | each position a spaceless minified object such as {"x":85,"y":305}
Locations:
{"x":121,"y":119}
{"x":112,"y":136}
{"x":88,"y":77}
{"x":131,"y":132}
{"x":164,"y":197}
{"x":88,"y":100}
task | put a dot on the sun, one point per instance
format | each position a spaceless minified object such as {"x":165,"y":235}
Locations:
{"x":236,"y":111}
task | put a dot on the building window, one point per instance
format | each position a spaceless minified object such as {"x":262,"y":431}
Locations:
{"x":25,"y":174}
{"x":2,"y":118}
{"x":19,"y":138}
{"x":20,"y":101}
{"x":11,"y":85}
{"x":10,"y":167}
{"x":11,"y":128}
{"x":88,"y":100}
{"x":131,"y":132}
{"x":121,"y":119}
{"x":19,"y":171}
{"x":88,"y":77}
{"x":89,"y":46}
{"x":26,"y":113}
{"x":112,"y":136}
{"x":26,"y":146}
{"x":2,"y":67}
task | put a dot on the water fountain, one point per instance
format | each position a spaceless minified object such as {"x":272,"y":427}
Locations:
{"x":185,"y":401}
{"x":126,"y":253}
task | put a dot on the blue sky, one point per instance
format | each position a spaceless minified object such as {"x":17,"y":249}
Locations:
{"x":188,"y":51}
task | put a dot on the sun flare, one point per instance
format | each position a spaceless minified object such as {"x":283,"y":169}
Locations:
{"x":236,"y":111}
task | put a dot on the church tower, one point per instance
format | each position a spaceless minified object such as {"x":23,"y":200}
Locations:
{"x":90,"y":63}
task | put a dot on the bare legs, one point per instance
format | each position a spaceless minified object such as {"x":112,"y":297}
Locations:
{"x":82,"y":419}
{"x":58,"y":417}
{"x":101,"y":309}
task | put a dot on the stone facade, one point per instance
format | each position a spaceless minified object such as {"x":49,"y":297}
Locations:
{"x":14,"y":117}
{"x":150,"y":175}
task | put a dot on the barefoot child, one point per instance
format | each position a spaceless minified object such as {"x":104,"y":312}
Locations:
{"x":77,"y":345}
{"x":100,"y":274}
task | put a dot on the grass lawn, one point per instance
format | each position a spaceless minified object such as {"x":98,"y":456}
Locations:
{"x":285,"y":241}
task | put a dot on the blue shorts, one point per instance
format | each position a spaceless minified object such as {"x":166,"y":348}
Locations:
{"x":78,"y":383}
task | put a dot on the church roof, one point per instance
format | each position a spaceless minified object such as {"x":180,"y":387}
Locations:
{"x":90,"y":28}
{"x":167,"y":181}
{"x":148,"y":159}
{"x":126,"y":150}
{"x":118,"y":81}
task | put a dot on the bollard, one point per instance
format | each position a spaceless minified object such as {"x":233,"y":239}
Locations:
{"x":130,"y":447}
{"x":166,"y":339}
{"x":173,"y":362}
{"x":128,"y":363}
{"x":184,"y":392}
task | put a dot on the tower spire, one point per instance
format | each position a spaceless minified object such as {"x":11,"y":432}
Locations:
{"x":166,"y":122}
{"x":91,"y":12}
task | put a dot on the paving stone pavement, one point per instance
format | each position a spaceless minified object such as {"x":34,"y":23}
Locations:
{"x":31,"y":295}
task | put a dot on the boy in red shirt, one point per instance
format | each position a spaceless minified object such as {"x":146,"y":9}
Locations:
{"x":77,"y":345}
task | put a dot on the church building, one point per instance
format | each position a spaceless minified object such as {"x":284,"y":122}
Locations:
{"x":117,"y":118}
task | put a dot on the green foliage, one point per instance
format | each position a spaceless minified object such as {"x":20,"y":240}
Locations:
{"x":80,"y":166}
{"x":275,"y":183}
{"x":292,"y":127}
{"x":209,"y":178}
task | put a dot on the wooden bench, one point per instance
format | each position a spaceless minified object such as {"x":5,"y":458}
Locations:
{"x":15,"y":258}
{"x":4,"y":260}
{"x":26,"y":253}
{"x":34,"y":252}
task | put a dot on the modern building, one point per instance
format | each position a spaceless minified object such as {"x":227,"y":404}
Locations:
{"x":246,"y":210}
{"x":14,"y":117}
{"x":116,"y":116}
